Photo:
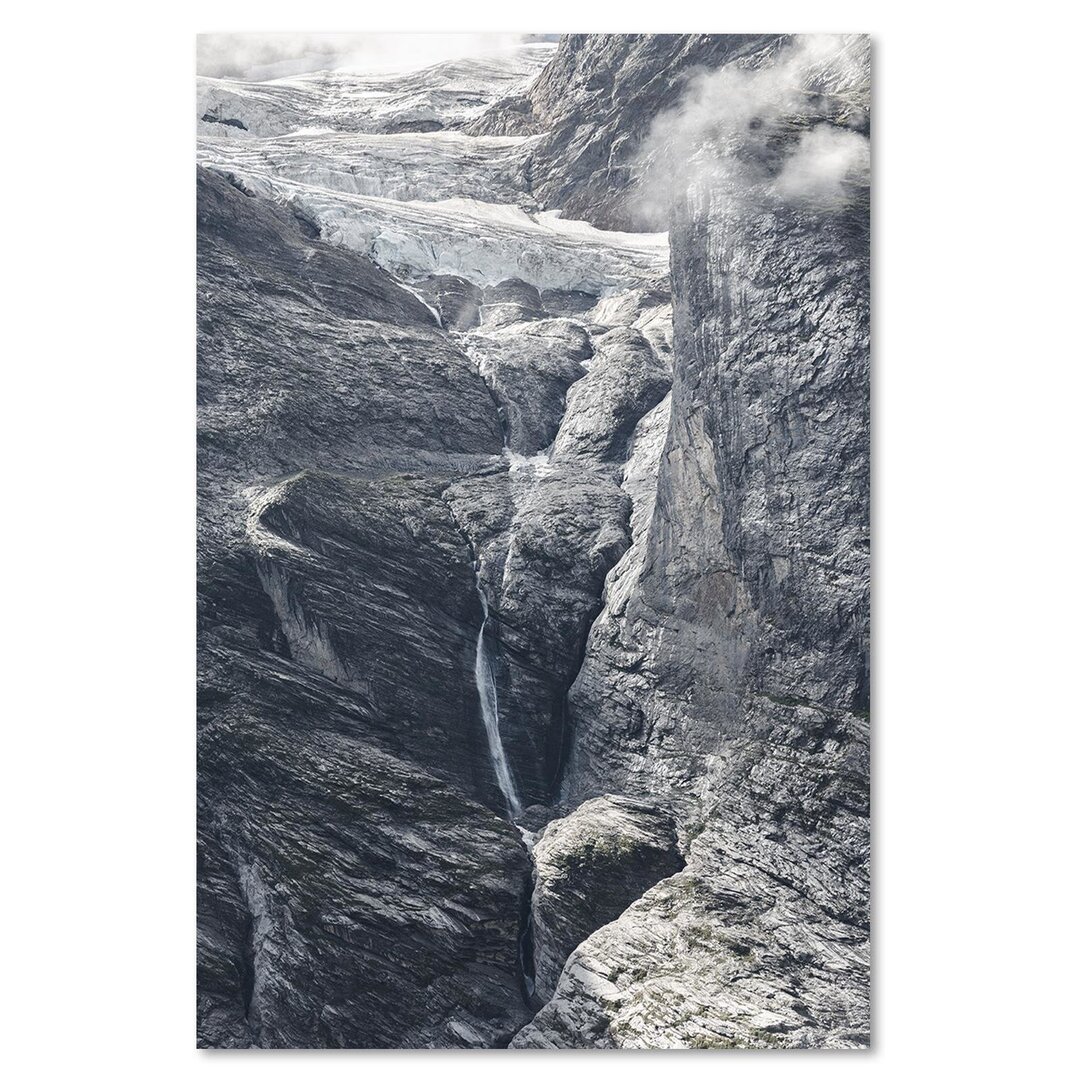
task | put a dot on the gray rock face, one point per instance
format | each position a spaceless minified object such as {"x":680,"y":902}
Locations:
{"x":351,"y":473}
{"x":347,"y":898}
{"x":457,"y":301}
{"x":594,"y":104}
{"x":590,"y":866}
{"x":762,"y":940}
{"x":732,"y":676}
{"x":529,"y":366}
{"x":547,"y":532}
{"x":625,"y":380}
{"x":354,"y":888}
{"x":376,"y":368}
{"x":662,"y":490}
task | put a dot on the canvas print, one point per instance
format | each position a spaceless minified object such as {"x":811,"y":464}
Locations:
{"x":533,"y":541}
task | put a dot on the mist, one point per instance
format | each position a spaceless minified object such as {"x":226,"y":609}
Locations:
{"x":259,"y":57}
{"x":740,"y":126}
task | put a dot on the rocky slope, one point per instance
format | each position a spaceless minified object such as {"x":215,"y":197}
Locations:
{"x":592,"y":107}
{"x":732,"y":678}
{"x":337,"y":603}
{"x":427,"y":404}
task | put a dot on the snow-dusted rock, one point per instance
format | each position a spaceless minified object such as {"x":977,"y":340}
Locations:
{"x":441,"y":96}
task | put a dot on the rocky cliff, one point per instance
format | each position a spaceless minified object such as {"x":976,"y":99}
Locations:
{"x":592,"y":108}
{"x":640,"y":462}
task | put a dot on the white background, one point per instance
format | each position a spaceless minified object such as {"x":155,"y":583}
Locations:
{"x":974,"y":544}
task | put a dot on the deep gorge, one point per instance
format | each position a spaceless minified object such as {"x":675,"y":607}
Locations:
{"x":533,"y":556}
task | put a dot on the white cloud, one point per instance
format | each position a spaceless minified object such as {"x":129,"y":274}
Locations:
{"x":823,"y":161}
{"x":734,"y":124}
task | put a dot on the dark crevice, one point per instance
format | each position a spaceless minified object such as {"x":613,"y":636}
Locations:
{"x":415,"y":127}
{"x":306,"y":222}
{"x":246,"y":965}
{"x":526,"y":960}
{"x":210,"y":118}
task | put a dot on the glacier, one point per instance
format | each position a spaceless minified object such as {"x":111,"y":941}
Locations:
{"x":344,"y":151}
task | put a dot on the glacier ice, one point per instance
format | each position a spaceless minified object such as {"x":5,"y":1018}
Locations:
{"x":353,"y":154}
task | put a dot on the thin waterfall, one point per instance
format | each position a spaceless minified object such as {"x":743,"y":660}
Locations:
{"x":489,"y":707}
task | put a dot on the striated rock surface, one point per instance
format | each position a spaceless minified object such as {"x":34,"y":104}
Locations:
{"x":592,"y":107}
{"x":529,"y":367}
{"x":358,"y":885}
{"x":548,"y":531}
{"x":625,"y":380}
{"x":590,"y":866}
{"x":430,"y":393}
{"x":347,"y":898}
{"x":730,"y":676}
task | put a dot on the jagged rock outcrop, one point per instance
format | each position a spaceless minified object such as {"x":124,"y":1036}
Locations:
{"x":732,"y":675}
{"x":529,"y":366}
{"x":625,"y":380}
{"x":592,"y":107}
{"x":548,"y":531}
{"x":341,"y":417}
{"x":590,"y":866}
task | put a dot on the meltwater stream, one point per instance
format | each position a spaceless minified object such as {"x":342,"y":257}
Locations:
{"x":489,"y":707}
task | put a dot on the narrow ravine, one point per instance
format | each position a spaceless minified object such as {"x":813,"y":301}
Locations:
{"x":585,"y":451}
{"x":553,"y":316}
{"x":489,"y":710}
